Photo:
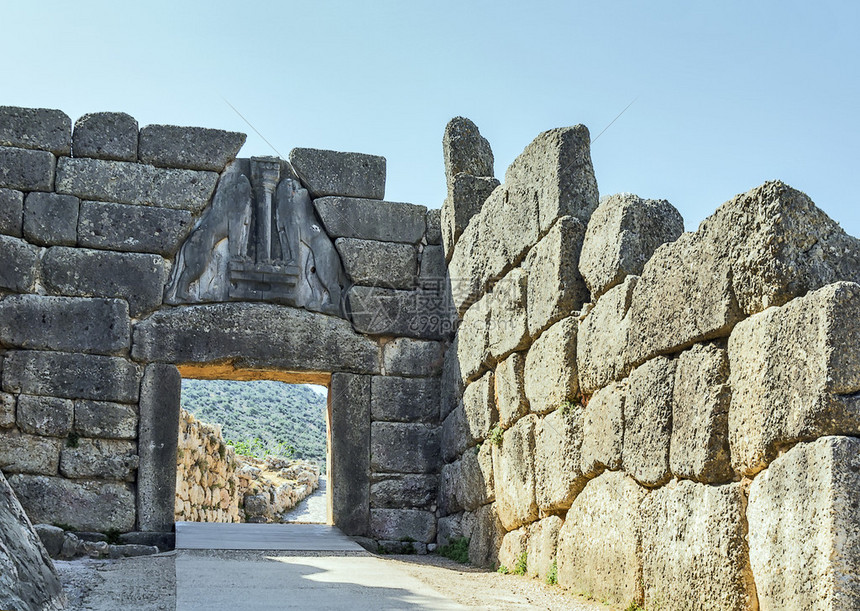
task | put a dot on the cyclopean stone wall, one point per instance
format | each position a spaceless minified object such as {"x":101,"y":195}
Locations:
{"x":670,"y":418}
{"x":131,"y":255}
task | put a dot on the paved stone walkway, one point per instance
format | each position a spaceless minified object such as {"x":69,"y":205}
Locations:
{"x":314,"y":508}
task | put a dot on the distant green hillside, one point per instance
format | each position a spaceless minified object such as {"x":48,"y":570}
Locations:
{"x":274,"y":412}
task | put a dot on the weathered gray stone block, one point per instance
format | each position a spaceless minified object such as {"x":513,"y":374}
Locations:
{"x":603,"y":429}
{"x":399,"y":524}
{"x":514,"y":474}
{"x":453,"y":527}
{"x":623,"y":233}
{"x":804,"y":527}
{"x":465,"y":150}
{"x":467,"y":483}
{"x":433,"y":267}
{"x":133,"y":228}
{"x":51,"y":219}
{"x":648,"y":421}
{"x":454,"y":436}
{"x":11,"y":212}
{"x":101,"y":459}
{"x":350,"y":452}
{"x":7,"y":410}
{"x":191,"y":148}
{"x":48,"y":416}
{"x":88,"y":505}
{"x":336,"y":173}
{"x":370,"y":219}
{"x":51,"y":537}
{"x":555,"y":287}
{"x":452,"y":381}
{"x":36,"y":128}
{"x":22,"y":453}
{"x":508,"y":329}
{"x":132,"y":183}
{"x":157,"y":442}
{"x":511,"y":399}
{"x":555,"y":169}
{"x":404,"y":356}
{"x":694,"y":548}
{"x":760,"y":249}
{"x":26,"y":170}
{"x":79,"y":272}
{"x":404,"y":491}
{"x":486,"y":537}
{"x":543,"y":541}
{"x":66,"y":324}
{"x":404,"y":448}
{"x":20,"y":260}
{"x":28,"y":580}
{"x":794,"y":375}
{"x":601,"y":350}
{"x":254,"y":336}
{"x":71,"y":376}
{"x":551,"y":375}
{"x":599,"y":545}
{"x":433,"y":234}
{"x":473,"y":338}
{"x":558,"y":445}
{"x":106,"y":135}
{"x":391,"y":312}
{"x":105,"y":419}
{"x":479,"y":405}
{"x":514,"y":545}
{"x":373,"y":263}
{"x":466,"y":196}
{"x":404,"y":399}
{"x":699,"y":449}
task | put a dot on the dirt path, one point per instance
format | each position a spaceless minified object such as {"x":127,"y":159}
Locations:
{"x":313,"y":509}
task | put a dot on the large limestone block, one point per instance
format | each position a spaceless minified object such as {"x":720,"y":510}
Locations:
{"x":486,"y":537}
{"x":511,"y":400}
{"x":433,"y":233}
{"x":508,"y":330}
{"x":86,"y":505}
{"x":433,"y":270}
{"x":11,"y":212}
{"x":623,"y":233}
{"x":26,"y":170}
{"x":466,"y":196}
{"x":543,"y":541}
{"x":51,"y":219}
{"x":603,"y":429}
{"x":514,"y":545}
{"x":100,"y":458}
{"x":36,"y":128}
{"x":467,"y":483}
{"x":558,"y":444}
{"x":804,"y":527}
{"x":132,"y":183}
{"x":397,"y":447}
{"x":38,"y":322}
{"x":20,"y":261}
{"x":601,"y":350}
{"x":337,"y":173}
{"x":762,"y":248}
{"x":404,"y":356}
{"x":473,"y":340}
{"x":80,"y":272}
{"x":795,"y":373}
{"x":106,"y":135}
{"x":699,"y":449}
{"x":71,"y":376}
{"x":130,"y":228}
{"x":22,"y":453}
{"x":46,"y":416}
{"x":350,"y":452}
{"x":648,"y":421}
{"x":551,"y":376}
{"x":452,"y":381}
{"x":257,"y":336}
{"x":28,"y":579}
{"x":404,"y":399}
{"x":514,"y":474}
{"x":555,"y":287}
{"x":191,"y":148}
{"x":403,"y":525}
{"x":454,"y":435}
{"x":404,"y":491}
{"x":479,"y":405}
{"x":694,"y":548}
{"x":420,"y":313}
{"x":370,"y":219}
{"x":555,"y":169}
{"x":105,"y":420}
{"x":599,"y":545}
{"x":465,"y":150}
{"x":373,"y":263}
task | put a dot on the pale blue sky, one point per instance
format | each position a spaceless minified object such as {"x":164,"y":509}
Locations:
{"x":728,"y":94}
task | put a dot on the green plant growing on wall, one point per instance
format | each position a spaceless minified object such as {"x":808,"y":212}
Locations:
{"x":522,"y":565}
{"x":566,"y":408}
{"x":456,"y":549}
{"x":496,"y":435}
{"x":503,"y":570}
{"x":552,"y":574}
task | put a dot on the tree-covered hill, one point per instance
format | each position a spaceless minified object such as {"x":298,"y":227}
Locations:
{"x":273,"y":412}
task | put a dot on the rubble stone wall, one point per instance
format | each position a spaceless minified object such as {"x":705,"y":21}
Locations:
{"x":663,"y":418}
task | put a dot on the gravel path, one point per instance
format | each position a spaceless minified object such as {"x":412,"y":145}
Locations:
{"x":312,"y":509}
